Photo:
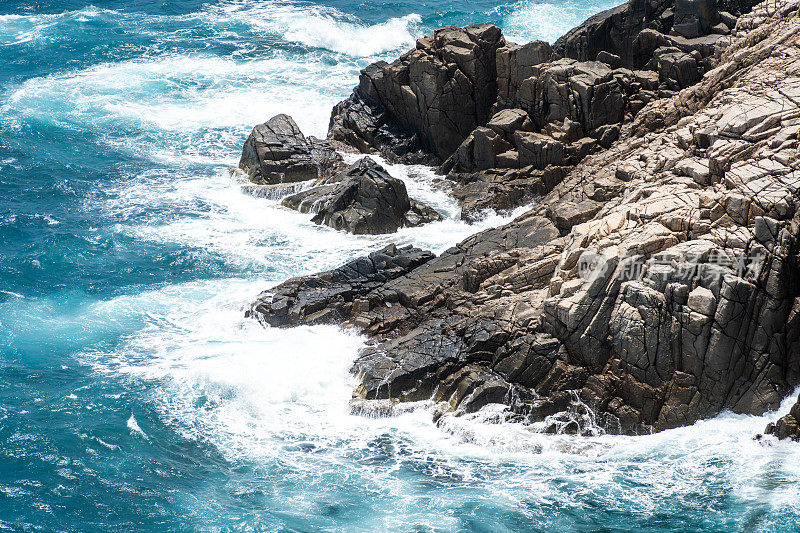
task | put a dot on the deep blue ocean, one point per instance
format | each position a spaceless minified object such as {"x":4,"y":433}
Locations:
{"x":133,"y":393}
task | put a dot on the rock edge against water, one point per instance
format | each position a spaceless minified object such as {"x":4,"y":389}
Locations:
{"x":656,"y":282}
{"x":361,"y":198}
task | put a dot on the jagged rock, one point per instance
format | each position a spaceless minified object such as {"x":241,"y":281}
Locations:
{"x":278,"y":152}
{"x":694,"y":18}
{"x":482,"y":148}
{"x":331,"y":296}
{"x":433,"y":105}
{"x":615,"y":31}
{"x":676,"y":68}
{"x":362,"y":199}
{"x":655,"y":283}
{"x":584,"y":92}
{"x":516,"y":63}
{"x":436,"y":94}
{"x":628,"y":31}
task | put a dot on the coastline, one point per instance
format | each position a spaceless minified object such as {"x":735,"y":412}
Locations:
{"x":638,"y":171}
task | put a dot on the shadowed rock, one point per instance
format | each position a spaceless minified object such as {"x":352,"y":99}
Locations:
{"x":362,"y":199}
{"x":430,"y":99}
{"x":278,"y":152}
{"x":788,"y":426}
{"x":331,"y":296}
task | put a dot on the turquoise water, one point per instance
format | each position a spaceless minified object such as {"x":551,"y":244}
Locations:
{"x":133,"y":393}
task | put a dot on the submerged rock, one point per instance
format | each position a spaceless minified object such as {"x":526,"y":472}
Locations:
{"x":277,"y":152}
{"x":362,"y":199}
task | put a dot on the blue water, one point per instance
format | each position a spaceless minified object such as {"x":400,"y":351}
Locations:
{"x":133,"y":393}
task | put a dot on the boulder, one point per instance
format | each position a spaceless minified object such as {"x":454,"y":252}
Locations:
{"x":362,"y":199}
{"x":277,"y":152}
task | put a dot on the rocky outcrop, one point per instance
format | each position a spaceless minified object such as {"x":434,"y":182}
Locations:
{"x":333,"y":295}
{"x":430,"y":99}
{"x":632,"y":31}
{"x":277,"y":152}
{"x":362,"y":199}
{"x":656,"y":284}
{"x":443,"y":98}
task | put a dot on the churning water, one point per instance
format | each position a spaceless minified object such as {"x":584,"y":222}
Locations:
{"x":133,"y":393}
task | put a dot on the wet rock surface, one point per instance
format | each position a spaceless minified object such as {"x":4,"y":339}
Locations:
{"x":656,"y":282}
{"x":788,"y":426}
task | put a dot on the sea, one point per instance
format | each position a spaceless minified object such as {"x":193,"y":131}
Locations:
{"x":135,"y":395}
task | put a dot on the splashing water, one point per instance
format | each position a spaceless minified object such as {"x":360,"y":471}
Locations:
{"x":136,"y":395}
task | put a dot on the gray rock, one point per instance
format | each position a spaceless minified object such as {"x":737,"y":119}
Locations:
{"x":788,"y":426}
{"x":676,"y":68}
{"x":437,"y":94}
{"x":516,"y":63}
{"x":363,"y":199}
{"x":694,"y":18}
{"x":329,"y":296}
{"x":278,"y":152}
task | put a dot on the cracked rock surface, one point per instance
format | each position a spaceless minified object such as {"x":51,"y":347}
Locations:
{"x":277,"y":152}
{"x":657,"y":282}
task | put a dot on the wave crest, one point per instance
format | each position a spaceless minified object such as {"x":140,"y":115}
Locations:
{"x":359,"y":40}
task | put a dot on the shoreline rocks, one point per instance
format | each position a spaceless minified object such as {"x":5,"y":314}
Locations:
{"x":277,"y":152}
{"x":439,"y":103}
{"x":788,"y":426}
{"x":657,"y":280}
{"x":362,"y":199}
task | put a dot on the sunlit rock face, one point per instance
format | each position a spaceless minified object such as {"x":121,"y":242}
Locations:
{"x":657,"y":282}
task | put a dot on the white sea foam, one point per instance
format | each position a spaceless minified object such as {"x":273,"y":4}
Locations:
{"x":182,"y":107}
{"x":134,"y":428}
{"x":280,"y":397}
{"x":356,"y":39}
{"x":319,"y":26}
{"x":547,"y":21}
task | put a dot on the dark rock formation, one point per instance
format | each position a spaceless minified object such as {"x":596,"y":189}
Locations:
{"x":655,"y":284}
{"x":362,"y":199}
{"x":442,"y":99}
{"x":278,"y":152}
{"x":632,"y":31}
{"x":787,"y":427}
{"x":431,"y":98}
{"x":334,"y":295}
